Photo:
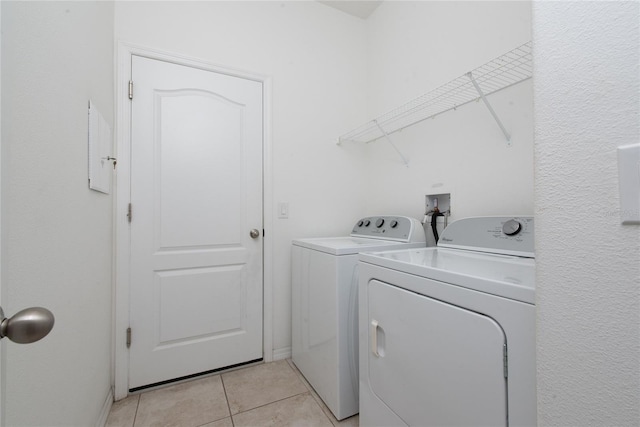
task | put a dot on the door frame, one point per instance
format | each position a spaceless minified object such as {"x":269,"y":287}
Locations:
{"x":3,"y":353}
{"x":122,"y":234}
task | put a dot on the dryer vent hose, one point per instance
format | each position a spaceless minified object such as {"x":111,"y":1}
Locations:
{"x":434,"y":219}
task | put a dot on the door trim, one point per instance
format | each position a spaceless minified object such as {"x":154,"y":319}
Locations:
{"x":122,"y":235}
{"x":3,"y":354}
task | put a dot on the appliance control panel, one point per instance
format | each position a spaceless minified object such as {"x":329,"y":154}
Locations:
{"x":399,"y":228}
{"x":500,"y":235}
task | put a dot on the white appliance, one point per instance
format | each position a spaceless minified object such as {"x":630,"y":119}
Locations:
{"x":325,"y":304}
{"x":447,"y":333}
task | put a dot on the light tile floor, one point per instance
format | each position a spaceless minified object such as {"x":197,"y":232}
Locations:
{"x":271,"y":394}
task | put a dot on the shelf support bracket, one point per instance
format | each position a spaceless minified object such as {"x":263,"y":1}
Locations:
{"x":388,"y":138}
{"x":493,"y":113}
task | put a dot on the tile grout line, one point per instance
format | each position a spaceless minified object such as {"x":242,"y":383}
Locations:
{"x":306,"y":391}
{"x":226,"y":398}
{"x":322,"y":405}
{"x":276,"y":401}
{"x":314,"y":394}
{"x":309,"y":388}
{"x":135,"y":416}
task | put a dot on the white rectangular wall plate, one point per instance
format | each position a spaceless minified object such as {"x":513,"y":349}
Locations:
{"x":283,"y":210}
{"x":629,"y":181}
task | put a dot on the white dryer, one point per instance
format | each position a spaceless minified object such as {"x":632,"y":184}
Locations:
{"x":325,"y":304}
{"x":447,"y":334}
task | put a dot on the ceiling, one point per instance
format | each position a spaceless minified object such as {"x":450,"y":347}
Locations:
{"x":359,"y":8}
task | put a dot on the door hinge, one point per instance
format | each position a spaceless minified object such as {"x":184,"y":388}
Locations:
{"x":130,"y":89}
{"x":128,"y":337}
{"x":129,"y":214}
{"x":505,"y":360}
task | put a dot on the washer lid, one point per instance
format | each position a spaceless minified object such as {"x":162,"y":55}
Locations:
{"x":501,"y":275}
{"x":352,"y":245}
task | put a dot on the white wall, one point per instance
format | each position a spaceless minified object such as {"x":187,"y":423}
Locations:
{"x":587,"y":102}
{"x":414,"y":47}
{"x":323,"y":64}
{"x":315,"y":56}
{"x":56,"y":233}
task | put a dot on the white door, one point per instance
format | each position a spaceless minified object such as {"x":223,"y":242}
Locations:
{"x":434,"y":363}
{"x":196,"y":194}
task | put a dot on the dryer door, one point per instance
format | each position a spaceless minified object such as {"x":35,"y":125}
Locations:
{"x":434,"y":363}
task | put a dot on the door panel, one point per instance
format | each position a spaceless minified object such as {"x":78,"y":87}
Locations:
{"x":435,"y":364}
{"x":215,"y":310}
{"x":196,"y":192}
{"x":185,"y":129}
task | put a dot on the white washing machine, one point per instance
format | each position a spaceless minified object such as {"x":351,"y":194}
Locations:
{"x":447,"y":334}
{"x":325,"y":304}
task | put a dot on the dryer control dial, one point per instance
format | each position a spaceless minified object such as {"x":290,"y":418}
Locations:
{"x":379,"y":222}
{"x":511,"y":227}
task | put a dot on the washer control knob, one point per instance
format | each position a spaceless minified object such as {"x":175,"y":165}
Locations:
{"x":366,"y":223}
{"x":511,"y":227}
{"x":393,"y":223}
{"x":360,"y":223}
{"x":379,"y":222}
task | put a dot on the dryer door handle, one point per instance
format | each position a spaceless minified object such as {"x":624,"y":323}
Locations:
{"x":376,"y":331}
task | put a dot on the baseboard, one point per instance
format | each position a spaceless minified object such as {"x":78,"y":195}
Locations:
{"x":282,"y":353}
{"x":106,"y":408}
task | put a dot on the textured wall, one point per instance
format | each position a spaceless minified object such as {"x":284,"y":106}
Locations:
{"x":56,"y":233}
{"x":586,"y":101}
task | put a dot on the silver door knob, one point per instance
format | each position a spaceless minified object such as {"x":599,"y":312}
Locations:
{"x":26,"y":326}
{"x":254,"y":233}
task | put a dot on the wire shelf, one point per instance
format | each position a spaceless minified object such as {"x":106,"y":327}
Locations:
{"x":507,"y":70}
